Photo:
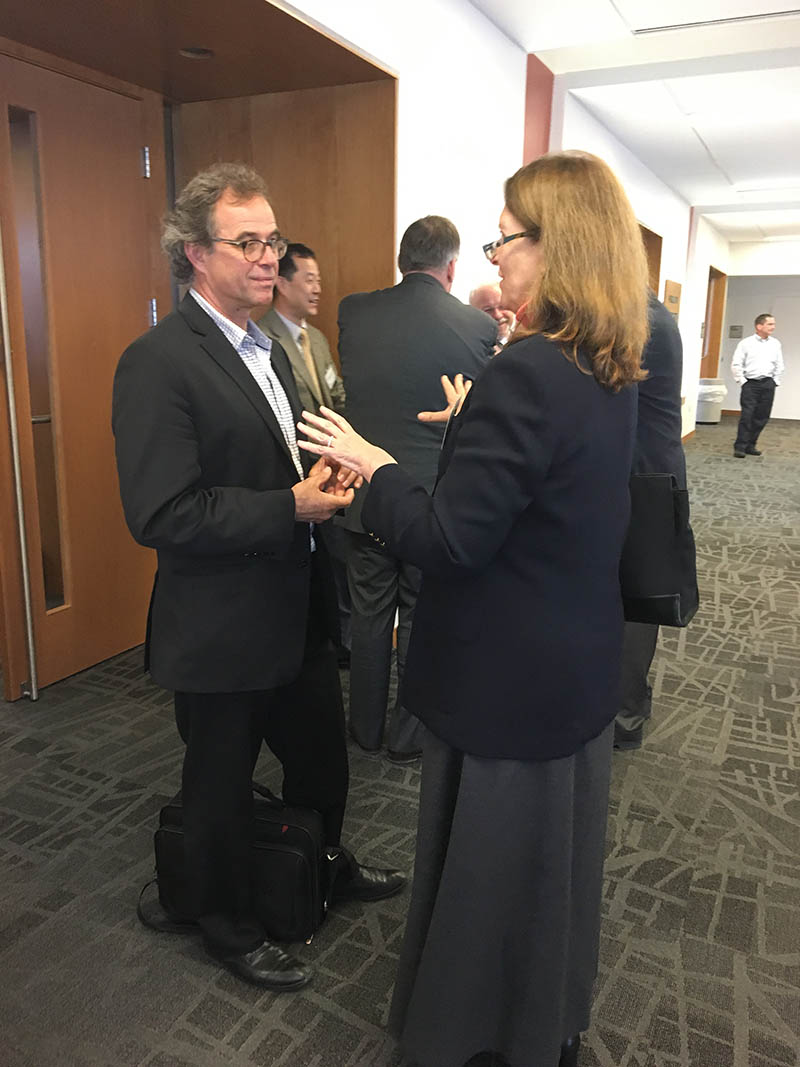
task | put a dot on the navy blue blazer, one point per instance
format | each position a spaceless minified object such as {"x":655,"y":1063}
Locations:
{"x":516,"y":644}
{"x":658,"y":448}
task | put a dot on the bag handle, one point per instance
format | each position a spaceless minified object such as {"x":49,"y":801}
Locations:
{"x":267,"y":794}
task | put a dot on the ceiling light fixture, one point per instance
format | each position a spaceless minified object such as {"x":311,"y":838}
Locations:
{"x":196,"y":53}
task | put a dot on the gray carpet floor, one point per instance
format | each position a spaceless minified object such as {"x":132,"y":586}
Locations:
{"x":700,"y":955}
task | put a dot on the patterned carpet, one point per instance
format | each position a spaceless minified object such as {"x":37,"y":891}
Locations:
{"x":700,"y":960}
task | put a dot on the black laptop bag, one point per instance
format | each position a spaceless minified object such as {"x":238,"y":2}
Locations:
{"x":291,"y":866}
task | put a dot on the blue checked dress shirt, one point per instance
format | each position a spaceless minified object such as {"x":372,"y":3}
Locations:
{"x":254,"y":349}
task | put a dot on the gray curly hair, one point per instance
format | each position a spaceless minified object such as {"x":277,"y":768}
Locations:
{"x":191,"y":220}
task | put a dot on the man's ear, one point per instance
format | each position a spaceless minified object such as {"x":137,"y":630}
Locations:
{"x":196,"y":254}
{"x":280,"y":284}
{"x":451,"y":272}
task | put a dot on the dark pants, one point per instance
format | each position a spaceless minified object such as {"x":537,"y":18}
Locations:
{"x":303,"y":724}
{"x":638,"y":648}
{"x":756,"y":403}
{"x":337,"y":541}
{"x":380,"y":585}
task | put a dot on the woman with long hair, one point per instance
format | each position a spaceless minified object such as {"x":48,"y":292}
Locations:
{"x":514,"y":658}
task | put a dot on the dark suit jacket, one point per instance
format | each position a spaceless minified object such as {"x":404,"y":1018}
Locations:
{"x":394,"y":346}
{"x":205,"y":477}
{"x":658,"y":448}
{"x":332,"y":390}
{"x":516,"y":643}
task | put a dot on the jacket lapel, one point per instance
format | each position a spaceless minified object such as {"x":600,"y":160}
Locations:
{"x":215,"y":344}
{"x":276,"y":329}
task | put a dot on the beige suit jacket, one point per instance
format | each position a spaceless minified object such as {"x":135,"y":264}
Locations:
{"x":330,"y":382}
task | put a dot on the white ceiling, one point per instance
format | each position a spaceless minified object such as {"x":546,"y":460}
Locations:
{"x":726,"y":96}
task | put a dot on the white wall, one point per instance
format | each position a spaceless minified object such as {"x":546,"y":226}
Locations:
{"x":461,"y":110}
{"x":707,"y":248}
{"x":656,"y":206}
{"x":663,"y":212}
{"x":765,"y":257}
{"x":775,"y":295}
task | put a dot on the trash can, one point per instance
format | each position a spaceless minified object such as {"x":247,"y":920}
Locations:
{"x":710,"y":396}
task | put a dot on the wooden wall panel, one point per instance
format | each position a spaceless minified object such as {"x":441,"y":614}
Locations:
{"x":328,"y":156}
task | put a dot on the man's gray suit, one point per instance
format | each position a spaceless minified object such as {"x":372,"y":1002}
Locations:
{"x":331,"y":390}
{"x":394,"y":345}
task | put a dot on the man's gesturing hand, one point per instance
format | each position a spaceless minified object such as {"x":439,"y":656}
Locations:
{"x":311,"y":502}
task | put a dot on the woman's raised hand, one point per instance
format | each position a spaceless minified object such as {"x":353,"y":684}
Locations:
{"x":331,"y":435}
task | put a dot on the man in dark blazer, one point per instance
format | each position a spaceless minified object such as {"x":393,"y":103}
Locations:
{"x":243,"y":611}
{"x":394,"y":346}
{"x":657,"y":450}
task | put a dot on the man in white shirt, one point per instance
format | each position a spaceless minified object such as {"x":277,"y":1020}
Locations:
{"x":757,"y":366}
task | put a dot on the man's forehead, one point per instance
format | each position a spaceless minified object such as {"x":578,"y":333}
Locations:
{"x":247,"y":216}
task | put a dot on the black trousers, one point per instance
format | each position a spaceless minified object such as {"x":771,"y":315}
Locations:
{"x":638,"y":648}
{"x":380,"y":585}
{"x":303,"y":724}
{"x":756,"y":403}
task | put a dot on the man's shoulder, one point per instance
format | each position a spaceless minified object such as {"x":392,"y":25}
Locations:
{"x":271,"y":323}
{"x":316,"y":337}
{"x":358,"y":302}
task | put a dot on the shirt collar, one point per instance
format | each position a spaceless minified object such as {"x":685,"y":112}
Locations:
{"x":232,"y":330}
{"x":293,"y":327}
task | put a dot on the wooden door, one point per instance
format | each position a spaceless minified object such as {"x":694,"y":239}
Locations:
{"x":712,"y":328}
{"x":74,"y":220}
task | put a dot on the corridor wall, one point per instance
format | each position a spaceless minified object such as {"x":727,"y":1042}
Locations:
{"x":461,"y":110}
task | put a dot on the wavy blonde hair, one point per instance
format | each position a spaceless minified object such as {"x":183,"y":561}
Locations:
{"x":593,"y":292}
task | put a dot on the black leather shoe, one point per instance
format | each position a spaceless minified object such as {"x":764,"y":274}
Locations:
{"x":738,"y":454}
{"x":569,"y":1052}
{"x":627,"y":740}
{"x":752,"y":452}
{"x":268,"y":966}
{"x":369,"y":883}
{"x":403,"y":757}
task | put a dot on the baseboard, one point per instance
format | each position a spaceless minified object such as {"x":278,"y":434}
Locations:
{"x":686,"y":436}
{"x":731,"y":411}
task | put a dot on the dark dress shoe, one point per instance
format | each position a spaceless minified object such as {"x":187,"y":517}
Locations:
{"x":268,"y":966}
{"x":402,"y":758}
{"x":369,"y":883}
{"x":569,"y":1052}
{"x":752,"y":452}
{"x":738,"y":454}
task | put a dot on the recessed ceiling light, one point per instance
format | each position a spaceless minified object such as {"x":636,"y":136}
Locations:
{"x":196,"y":53}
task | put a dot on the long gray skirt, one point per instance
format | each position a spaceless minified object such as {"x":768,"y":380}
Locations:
{"x":500,"y":948}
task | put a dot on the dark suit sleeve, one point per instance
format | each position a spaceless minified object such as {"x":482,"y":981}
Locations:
{"x":158,"y":458}
{"x":504,"y":450}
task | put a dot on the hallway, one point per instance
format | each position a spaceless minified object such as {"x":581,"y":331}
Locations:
{"x":700,"y":955}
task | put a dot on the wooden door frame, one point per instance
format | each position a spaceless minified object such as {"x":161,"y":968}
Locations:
{"x":13,"y":627}
{"x":713,"y":322}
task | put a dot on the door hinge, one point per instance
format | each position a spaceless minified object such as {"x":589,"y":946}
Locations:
{"x":146,"y":161}
{"x":152,"y":304}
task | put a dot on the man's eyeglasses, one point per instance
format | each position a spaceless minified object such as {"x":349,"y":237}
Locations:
{"x":253,"y":249}
{"x":493,"y":246}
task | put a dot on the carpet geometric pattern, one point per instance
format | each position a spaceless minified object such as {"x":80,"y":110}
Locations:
{"x":700,"y":953}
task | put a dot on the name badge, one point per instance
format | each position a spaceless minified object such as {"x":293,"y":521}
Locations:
{"x":330,"y":376}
